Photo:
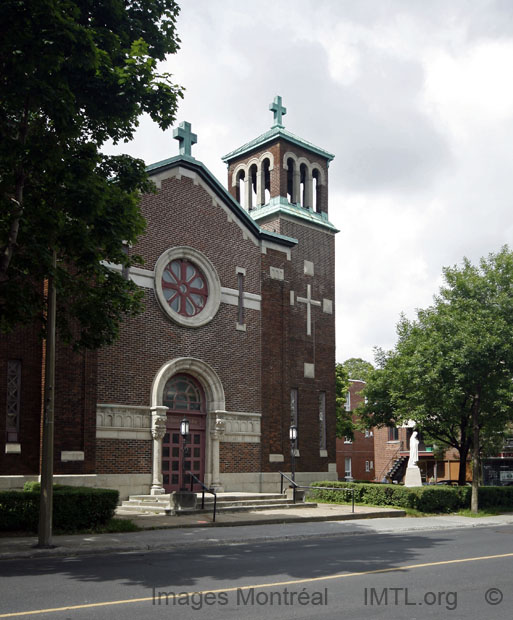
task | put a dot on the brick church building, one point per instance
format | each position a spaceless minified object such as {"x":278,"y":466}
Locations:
{"x":238,"y":336}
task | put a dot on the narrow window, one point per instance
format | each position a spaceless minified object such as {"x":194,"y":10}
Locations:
{"x":240,"y":319}
{"x":348,"y":402}
{"x":348,"y":439}
{"x":239,"y":189}
{"x":322,"y":420}
{"x":267,"y":181}
{"x":291,"y":193}
{"x":393,"y":433}
{"x":294,"y":409}
{"x":347,"y":461}
{"x":367,"y":466}
{"x":13,"y":400}
{"x":253,"y":171}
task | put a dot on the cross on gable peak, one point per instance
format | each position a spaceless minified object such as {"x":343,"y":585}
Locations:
{"x":278,"y":111}
{"x":185,"y":137}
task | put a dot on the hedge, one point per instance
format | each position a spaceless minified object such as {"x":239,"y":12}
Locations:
{"x":74,"y":508}
{"x":435,"y":499}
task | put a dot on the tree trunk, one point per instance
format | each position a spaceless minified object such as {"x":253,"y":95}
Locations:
{"x":462,"y":475}
{"x":8,"y":250}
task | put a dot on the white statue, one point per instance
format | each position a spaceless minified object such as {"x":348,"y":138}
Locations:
{"x":414,"y":450}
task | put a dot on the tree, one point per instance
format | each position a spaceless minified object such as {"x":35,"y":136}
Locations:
{"x":451,"y":370}
{"x":74,"y":74}
{"x":358,"y":368}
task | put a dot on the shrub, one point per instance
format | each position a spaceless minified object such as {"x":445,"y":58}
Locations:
{"x":437,"y":499}
{"x":496,"y":497}
{"x":74,"y":508}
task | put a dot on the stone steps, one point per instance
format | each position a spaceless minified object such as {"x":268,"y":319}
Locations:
{"x":226,"y":502}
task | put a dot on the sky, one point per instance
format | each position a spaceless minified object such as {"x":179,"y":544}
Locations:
{"x":414,"y":98}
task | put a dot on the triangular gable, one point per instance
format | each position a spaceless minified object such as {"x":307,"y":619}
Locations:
{"x":183,"y":165}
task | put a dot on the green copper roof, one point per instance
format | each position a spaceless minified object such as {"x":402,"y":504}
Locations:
{"x":283,"y":206}
{"x":273,"y":134}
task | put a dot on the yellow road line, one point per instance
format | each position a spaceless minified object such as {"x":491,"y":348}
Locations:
{"x":261,"y":585}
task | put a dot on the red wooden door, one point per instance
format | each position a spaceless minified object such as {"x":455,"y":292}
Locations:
{"x":174,"y":461}
{"x":184,"y":397}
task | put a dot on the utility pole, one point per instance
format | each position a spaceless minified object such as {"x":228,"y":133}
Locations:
{"x":476,"y":457}
{"x":46,"y":504}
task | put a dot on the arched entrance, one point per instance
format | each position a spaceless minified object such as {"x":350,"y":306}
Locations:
{"x":213,"y":401}
{"x":184,"y":398}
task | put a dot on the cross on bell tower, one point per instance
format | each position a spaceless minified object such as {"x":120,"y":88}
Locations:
{"x":185,"y":137}
{"x":278,"y":111}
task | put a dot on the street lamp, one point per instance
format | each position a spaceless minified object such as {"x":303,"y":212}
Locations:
{"x":293,"y":440}
{"x":435,"y":452}
{"x":184,"y":432}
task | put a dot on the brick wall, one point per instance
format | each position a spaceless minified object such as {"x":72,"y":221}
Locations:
{"x":24,"y":345}
{"x":123,"y":456}
{"x":237,"y":457}
{"x":287,"y":347}
{"x":182,"y":214}
{"x":361,"y":449}
{"x":386,"y":451}
{"x":75,"y":409}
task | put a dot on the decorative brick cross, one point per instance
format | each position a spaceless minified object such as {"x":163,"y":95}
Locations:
{"x":278,"y":111}
{"x":309,"y":303}
{"x":185,"y":137}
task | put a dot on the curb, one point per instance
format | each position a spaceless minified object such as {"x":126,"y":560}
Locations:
{"x":280,"y":520}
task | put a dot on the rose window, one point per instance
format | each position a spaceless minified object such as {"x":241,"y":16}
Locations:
{"x":184,"y":287}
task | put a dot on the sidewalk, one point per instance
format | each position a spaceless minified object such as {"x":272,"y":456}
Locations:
{"x":17,"y":547}
{"x":174,"y":532}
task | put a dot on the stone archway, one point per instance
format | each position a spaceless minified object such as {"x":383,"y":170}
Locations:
{"x":215,"y":407}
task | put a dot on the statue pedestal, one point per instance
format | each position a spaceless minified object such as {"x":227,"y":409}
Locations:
{"x":183,"y":500}
{"x":412,"y":478}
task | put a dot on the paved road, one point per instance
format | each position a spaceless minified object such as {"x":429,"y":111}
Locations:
{"x":415,"y":574}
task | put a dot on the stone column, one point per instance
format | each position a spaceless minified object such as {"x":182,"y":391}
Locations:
{"x":248,"y":195}
{"x":158,"y":430}
{"x":260,"y":188}
{"x":215,"y":436}
{"x":308,"y":190}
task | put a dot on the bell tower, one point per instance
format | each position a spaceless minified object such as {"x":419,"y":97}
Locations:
{"x":281,"y":180}
{"x":279,"y":168}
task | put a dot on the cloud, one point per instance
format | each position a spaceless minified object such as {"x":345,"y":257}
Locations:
{"x":415,"y":100}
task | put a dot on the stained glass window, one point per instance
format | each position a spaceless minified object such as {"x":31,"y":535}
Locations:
{"x":185,"y":287}
{"x":13,"y":399}
{"x":181,"y":393}
{"x":322,"y":420}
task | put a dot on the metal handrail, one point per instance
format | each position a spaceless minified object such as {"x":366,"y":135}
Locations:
{"x":292,"y":482}
{"x":203,"y":489}
{"x":295,"y":486}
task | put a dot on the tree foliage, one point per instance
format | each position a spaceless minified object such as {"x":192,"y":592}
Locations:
{"x":358,"y":368}
{"x":345,"y":426}
{"x":74,"y":74}
{"x":454,"y":363}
